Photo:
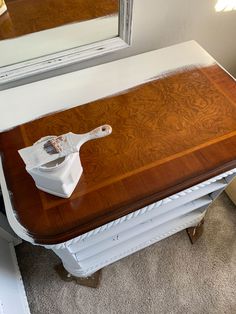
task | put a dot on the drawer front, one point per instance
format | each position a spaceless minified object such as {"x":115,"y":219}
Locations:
{"x":156,"y":210}
{"x":131,"y":233}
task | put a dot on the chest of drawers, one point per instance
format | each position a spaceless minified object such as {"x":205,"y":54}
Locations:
{"x":172,"y":151}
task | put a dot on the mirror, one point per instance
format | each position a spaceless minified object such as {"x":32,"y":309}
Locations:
{"x":37,"y":36}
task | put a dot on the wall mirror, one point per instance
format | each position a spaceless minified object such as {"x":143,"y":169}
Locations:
{"x":37,"y":36}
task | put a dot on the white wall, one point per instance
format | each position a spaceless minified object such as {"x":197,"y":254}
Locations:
{"x":160,"y":23}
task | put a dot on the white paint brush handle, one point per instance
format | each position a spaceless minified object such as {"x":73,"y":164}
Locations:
{"x":101,"y":131}
{"x":79,"y":139}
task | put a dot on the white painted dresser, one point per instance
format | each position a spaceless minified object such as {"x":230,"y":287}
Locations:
{"x":84,"y":254}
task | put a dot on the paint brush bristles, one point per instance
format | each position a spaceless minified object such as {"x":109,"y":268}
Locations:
{"x":54,"y":146}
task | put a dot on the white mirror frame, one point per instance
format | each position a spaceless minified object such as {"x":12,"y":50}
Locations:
{"x":60,"y":59}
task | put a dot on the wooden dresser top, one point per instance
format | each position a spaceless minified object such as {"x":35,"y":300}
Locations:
{"x":168,"y":135}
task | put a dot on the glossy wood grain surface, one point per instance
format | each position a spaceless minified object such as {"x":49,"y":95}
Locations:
{"x":168,"y":135}
{"x":29,"y":16}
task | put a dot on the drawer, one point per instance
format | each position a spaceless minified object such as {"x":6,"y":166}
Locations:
{"x":145,"y":214}
{"x":143,"y":227}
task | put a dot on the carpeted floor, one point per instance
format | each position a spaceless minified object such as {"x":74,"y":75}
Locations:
{"x":171,"y":276}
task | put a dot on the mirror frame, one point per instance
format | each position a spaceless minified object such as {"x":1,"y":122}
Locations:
{"x":67,"y":57}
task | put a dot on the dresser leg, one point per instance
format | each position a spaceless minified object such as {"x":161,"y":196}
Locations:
{"x":195,"y":233}
{"x":90,"y":281}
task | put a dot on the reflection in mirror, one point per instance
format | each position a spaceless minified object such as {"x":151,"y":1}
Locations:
{"x":30,"y":16}
{"x":41,"y":35}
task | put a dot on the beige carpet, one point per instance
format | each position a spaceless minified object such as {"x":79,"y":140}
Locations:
{"x":171,"y":276}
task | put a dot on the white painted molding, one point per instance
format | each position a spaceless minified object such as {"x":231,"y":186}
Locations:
{"x":21,"y":288}
{"x":67,"y":57}
{"x":60,"y":59}
{"x":11,"y":216}
{"x":125,"y":20}
{"x":12,"y":293}
{"x":191,"y":220}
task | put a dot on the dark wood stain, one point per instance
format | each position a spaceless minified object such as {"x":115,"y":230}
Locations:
{"x":29,"y":16}
{"x":168,"y":135}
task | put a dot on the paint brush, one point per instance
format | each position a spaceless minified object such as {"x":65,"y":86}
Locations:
{"x":51,"y":149}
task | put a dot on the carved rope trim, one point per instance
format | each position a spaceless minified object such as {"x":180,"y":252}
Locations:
{"x":141,"y":211}
{"x":142,"y":245}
